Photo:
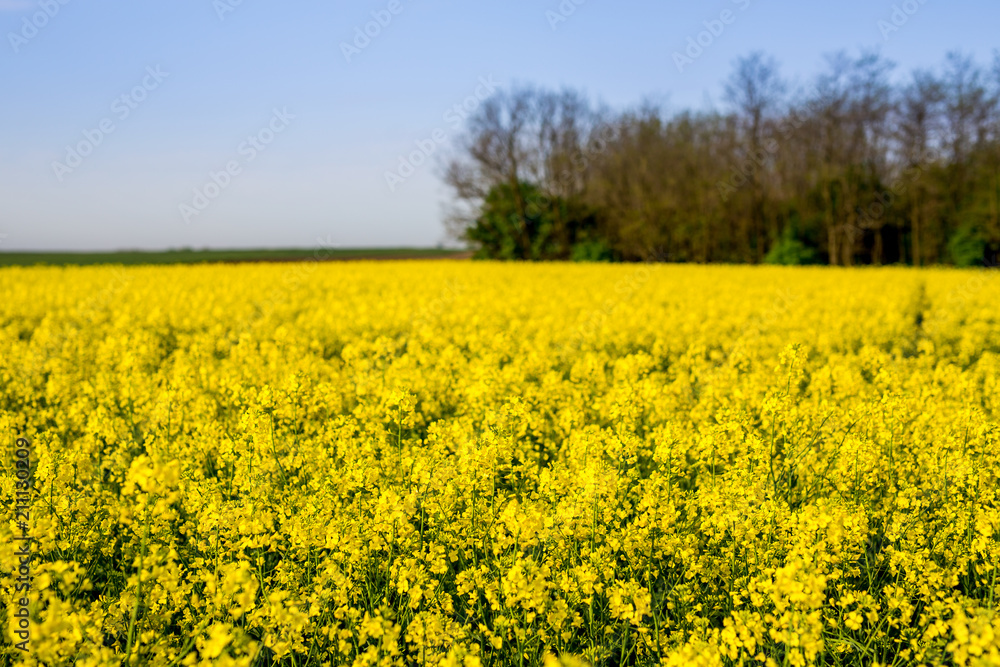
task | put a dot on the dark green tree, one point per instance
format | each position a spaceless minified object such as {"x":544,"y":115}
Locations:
{"x":526,"y":224}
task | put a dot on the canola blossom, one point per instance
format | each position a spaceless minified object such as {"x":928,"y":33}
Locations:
{"x":478,"y":464}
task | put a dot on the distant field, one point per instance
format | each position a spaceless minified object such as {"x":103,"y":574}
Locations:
{"x":199,"y":256}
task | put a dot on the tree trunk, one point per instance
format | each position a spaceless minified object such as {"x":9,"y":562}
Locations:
{"x":831,"y":228}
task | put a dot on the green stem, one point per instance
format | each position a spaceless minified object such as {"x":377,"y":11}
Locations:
{"x":138,"y":594}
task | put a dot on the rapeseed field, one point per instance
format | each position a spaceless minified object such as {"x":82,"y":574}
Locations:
{"x":478,"y":464}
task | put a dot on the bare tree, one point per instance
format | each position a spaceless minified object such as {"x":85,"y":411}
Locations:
{"x":756,"y":92}
{"x":857,"y":167}
{"x":524,"y":135}
{"x":495,"y":149}
{"x":918,"y":124}
{"x":829,"y":107}
{"x":870,"y":104}
{"x":967,"y":106}
{"x":565,"y":124}
{"x":993,"y":152}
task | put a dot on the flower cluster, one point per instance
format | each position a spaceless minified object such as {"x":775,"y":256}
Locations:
{"x":445,"y":463}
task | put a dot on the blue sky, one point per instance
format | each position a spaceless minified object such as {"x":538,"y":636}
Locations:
{"x":220,"y":123}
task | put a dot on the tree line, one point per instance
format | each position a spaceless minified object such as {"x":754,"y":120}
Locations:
{"x":859,"y":167}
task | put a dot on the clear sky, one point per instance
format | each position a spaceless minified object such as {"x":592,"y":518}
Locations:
{"x":246,"y":123}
